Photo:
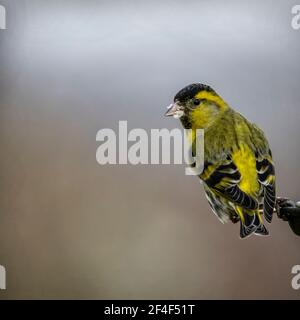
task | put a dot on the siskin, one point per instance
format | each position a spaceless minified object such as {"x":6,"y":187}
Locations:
{"x":238,"y":174}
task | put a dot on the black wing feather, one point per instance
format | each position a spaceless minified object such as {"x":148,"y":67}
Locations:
{"x":266,"y":177}
{"x":224,"y":180}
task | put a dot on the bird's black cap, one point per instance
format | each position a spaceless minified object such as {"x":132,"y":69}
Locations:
{"x":191,"y":90}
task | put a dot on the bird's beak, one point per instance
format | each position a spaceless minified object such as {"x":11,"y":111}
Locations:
{"x":174,"y":110}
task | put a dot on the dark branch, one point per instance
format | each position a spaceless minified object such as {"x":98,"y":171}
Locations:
{"x":289,"y":211}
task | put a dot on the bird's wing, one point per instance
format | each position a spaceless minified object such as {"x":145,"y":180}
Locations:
{"x":266,"y":177}
{"x":224,"y":179}
{"x":265,"y":171}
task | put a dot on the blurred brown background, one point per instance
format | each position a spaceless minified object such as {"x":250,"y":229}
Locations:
{"x":70,"y":228}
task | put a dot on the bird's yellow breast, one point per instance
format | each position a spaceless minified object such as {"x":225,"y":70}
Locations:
{"x":244,"y":158}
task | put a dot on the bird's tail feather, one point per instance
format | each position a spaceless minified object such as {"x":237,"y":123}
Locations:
{"x":261,"y":231}
{"x":252,"y":224}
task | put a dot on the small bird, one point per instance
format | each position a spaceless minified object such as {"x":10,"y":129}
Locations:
{"x":238,"y":174}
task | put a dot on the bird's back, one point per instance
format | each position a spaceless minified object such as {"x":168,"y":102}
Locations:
{"x":233,"y":181}
{"x":229,"y":133}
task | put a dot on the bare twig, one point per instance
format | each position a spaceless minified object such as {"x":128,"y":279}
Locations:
{"x":289,"y":211}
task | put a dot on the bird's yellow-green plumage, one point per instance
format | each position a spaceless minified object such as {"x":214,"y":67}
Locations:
{"x":238,"y":175}
{"x":245,"y":162}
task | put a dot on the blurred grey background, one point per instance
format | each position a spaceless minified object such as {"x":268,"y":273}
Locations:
{"x":70,"y":228}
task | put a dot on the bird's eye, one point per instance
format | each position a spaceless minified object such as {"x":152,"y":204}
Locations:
{"x":196,"y":102}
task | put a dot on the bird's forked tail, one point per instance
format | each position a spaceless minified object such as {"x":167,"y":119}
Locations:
{"x":251,"y":223}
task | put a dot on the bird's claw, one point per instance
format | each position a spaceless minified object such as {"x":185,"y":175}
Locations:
{"x":234,"y":218}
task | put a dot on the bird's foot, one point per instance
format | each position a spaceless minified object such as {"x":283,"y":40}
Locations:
{"x":234,"y":218}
